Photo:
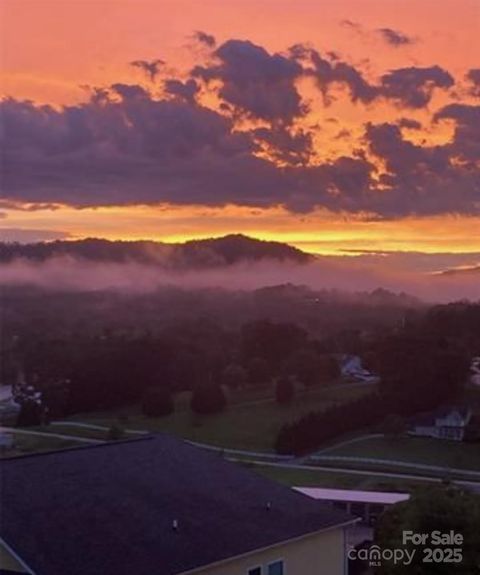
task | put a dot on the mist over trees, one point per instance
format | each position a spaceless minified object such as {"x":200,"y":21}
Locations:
{"x":206,"y":253}
{"x":104,"y":350}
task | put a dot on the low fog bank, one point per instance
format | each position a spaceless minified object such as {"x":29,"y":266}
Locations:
{"x":348,"y":274}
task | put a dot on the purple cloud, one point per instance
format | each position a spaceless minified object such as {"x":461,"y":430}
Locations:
{"x":256,"y":83}
{"x":127,"y":146}
{"x":184,"y":90}
{"x":473,"y":76}
{"x":413,"y":87}
{"x":205,"y":38}
{"x":327,"y":73}
{"x":395,"y":38}
{"x":409,"y":124}
{"x":150,"y":67}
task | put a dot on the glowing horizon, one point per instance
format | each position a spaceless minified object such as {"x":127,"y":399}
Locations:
{"x":58,"y":54}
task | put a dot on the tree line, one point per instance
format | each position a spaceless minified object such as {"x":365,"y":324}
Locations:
{"x":111,"y":370}
{"x":419,"y":368}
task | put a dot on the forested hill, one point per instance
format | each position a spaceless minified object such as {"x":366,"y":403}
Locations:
{"x":216,"y":252}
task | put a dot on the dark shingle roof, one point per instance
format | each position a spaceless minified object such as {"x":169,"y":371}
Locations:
{"x":109,"y":510}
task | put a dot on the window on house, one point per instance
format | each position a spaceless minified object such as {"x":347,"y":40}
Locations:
{"x":255,"y":571}
{"x":276,"y":568}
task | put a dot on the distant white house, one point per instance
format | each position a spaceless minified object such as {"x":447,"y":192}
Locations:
{"x":6,"y":441}
{"x":352,"y":368}
{"x":475,"y":378}
{"x":445,"y":423}
{"x":9,"y":408}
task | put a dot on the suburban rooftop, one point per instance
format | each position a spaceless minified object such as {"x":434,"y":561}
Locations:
{"x":156,"y":502}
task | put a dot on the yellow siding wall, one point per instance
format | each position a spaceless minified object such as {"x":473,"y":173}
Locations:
{"x":321,"y":554}
{"x":8,"y":561}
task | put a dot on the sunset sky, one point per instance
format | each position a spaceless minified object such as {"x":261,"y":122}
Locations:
{"x":332,"y":125}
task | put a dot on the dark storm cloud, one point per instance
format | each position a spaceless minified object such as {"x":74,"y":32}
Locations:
{"x":257,"y":83}
{"x":126,"y":146}
{"x":391,"y":36}
{"x":150,"y":67}
{"x":130,"y":91}
{"x":350,"y":24}
{"x":328,"y":72}
{"x":293,"y":149}
{"x":466,"y":141}
{"x":205,"y":38}
{"x":431,"y":180}
{"x":183,"y":90}
{"x":261,"y":85}
{"x":130,"y":151}
{"x":410,"y":124}
{"x":473,"y":76}
{"x":133,"y":149}
{"x":407,"y":87}
{"x":394,"y":37}
{"x":413,"y":87}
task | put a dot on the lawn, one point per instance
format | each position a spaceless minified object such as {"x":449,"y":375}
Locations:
{"x":416,"y":450}
{"x":100,"y":434}
{"x":26,"y":444}
{"x":251,"y":425}
{"x":310,"y":478}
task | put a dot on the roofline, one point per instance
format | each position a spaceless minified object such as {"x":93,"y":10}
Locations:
{"x":16,"y":556}
{"x":74,"y":448}
{"x":273,"y":546}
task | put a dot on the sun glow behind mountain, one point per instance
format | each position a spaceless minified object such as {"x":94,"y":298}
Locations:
{"x":338,"y":128}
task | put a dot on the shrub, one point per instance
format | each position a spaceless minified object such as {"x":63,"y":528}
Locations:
{"x":284,"y":391}
{"x":157,"y":402}
{"x":31,"y":413}
{"x":115,"y":432}
{"x":208,"y":399}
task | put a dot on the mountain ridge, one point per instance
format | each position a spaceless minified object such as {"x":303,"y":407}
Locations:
{"x":205,"y":253}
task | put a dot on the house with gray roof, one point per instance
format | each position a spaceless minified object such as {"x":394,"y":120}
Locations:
{"x":448,"y":422}
{"x":159,"y":505}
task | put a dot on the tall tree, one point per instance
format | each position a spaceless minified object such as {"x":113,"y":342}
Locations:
{"x":208,"y":399}
{"x":442,"y":509}
{"x":284,"y":390}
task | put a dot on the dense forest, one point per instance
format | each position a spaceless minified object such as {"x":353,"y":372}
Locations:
{"x":103,"y":350}
{"x":421,"y":365}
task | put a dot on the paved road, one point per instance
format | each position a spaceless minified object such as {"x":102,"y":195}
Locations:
{"x":471,"y":484}
{"x":96,"y":427}
{"x":395,"y":463}
{"x":348,"y":442}
{"x":291,"y":462}
{"x":255,"y":454}
{"x":225,"y":450}
{"x":16,"y":430}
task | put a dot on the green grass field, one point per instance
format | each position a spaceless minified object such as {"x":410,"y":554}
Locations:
{"x":311,"y":478}
{"x":416,"y":450}
{"x":252,"y":425}
{"x":27,"y":444}
{"x":100,"y":434}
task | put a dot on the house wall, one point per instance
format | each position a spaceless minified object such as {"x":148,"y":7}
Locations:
{"x":8,"y":561}
{"x":425,"y":431}
{"x":320,"y":554}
